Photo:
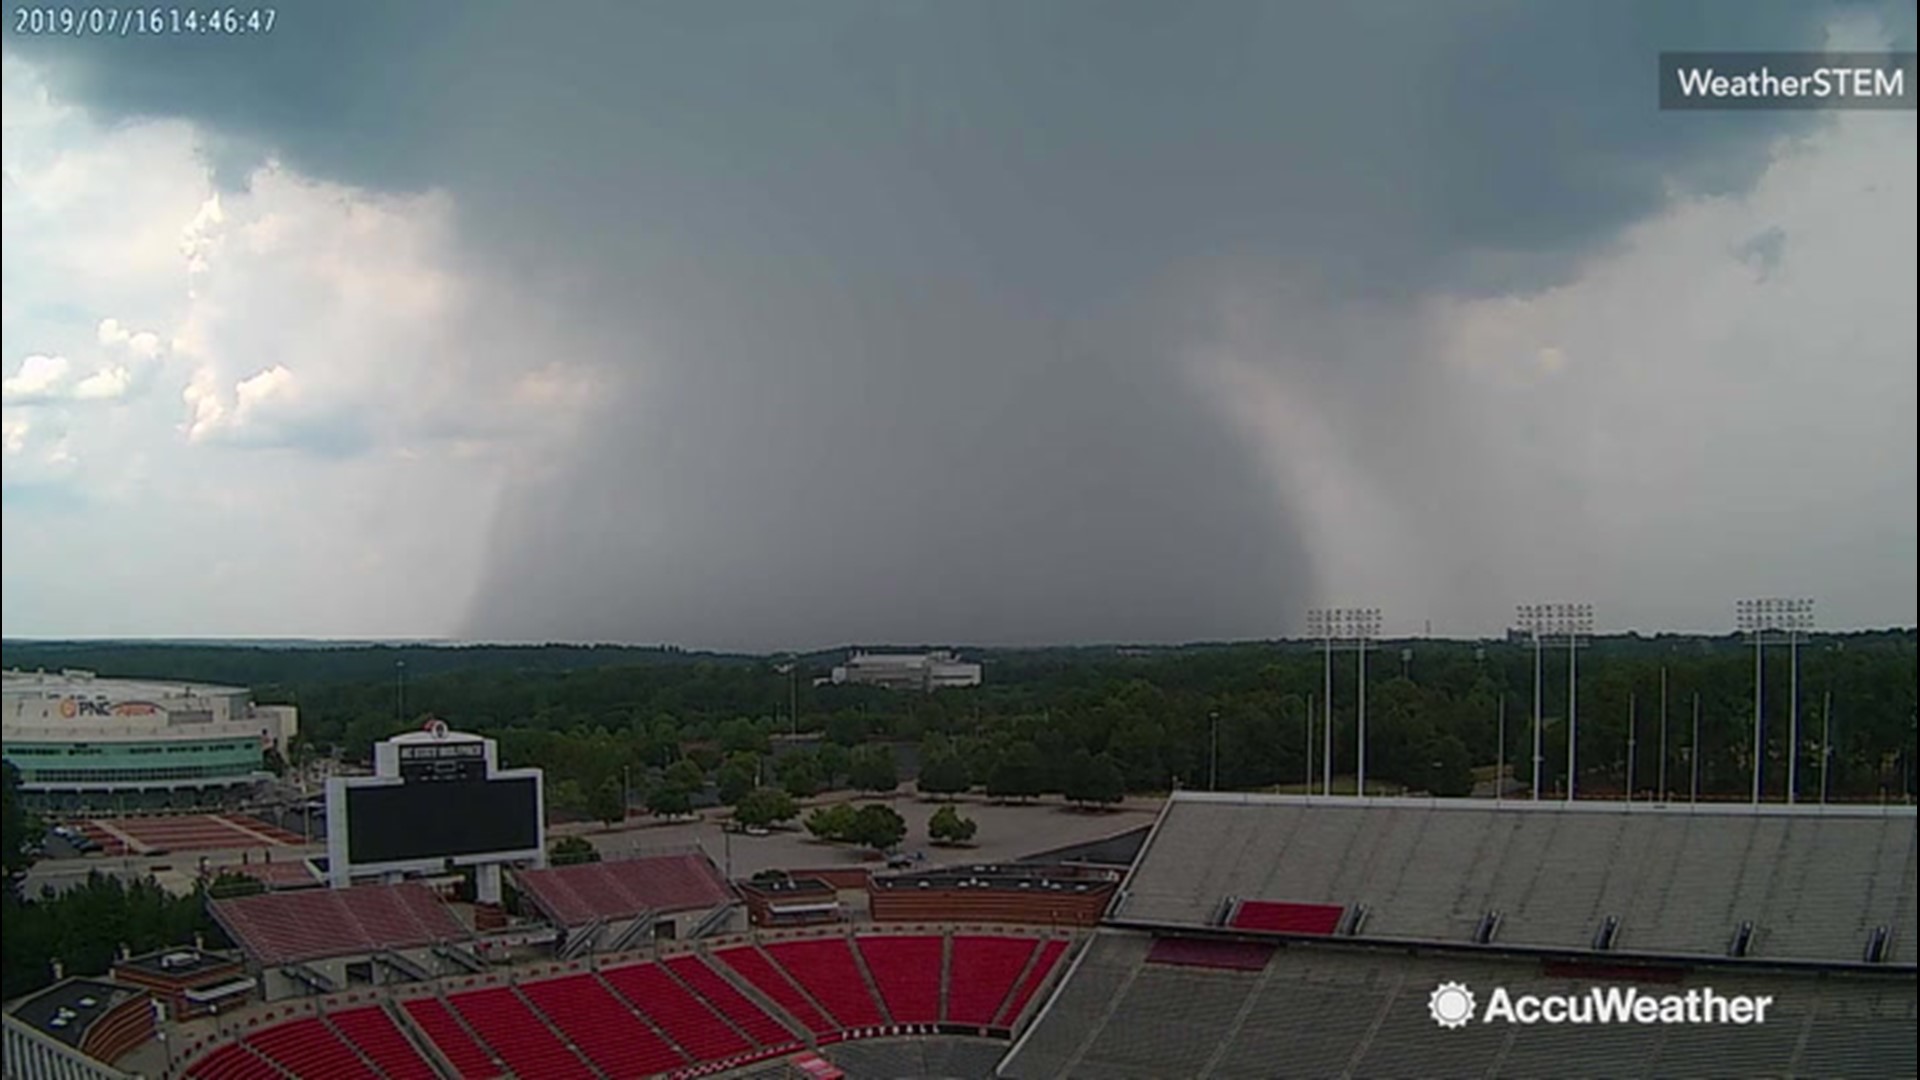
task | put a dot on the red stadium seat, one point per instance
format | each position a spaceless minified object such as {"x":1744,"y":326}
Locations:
{"x":984,"y":969}
{"x":908,"y":972}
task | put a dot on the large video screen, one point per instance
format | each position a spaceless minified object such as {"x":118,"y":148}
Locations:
{"x":442,"y":819}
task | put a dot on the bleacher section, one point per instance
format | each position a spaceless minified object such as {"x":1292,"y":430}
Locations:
{"x":1339,"y":1011}
{"x":574,"y":896}
{"x":286,"y":928}
{"x":309,"y":1048}
{"x":720,"y":994}
{"x":1030,"y":983}
{"x":375,"y":1034}
{"x":438,"y":1023}
{"x":754,"y":966}
{"x":234,"y":1062}
{"x":1815,"y":882}
{"x":984,"y":970}
{"x":908,"y":972}
{"x":612,"y":1035}
{"x":521,"y":1038}
{"x":826,"y":970}
{"x":1277,"y":917}
{"x":682,"y":1016}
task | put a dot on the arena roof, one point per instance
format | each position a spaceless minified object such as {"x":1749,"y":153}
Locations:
{"x":1339,"y":1010}
{"x":622,"y":889}
{"x":65,"y":1010}
{"x":56,"y":683}
{"x":288,"y":927}
{"x":1816,"y":883}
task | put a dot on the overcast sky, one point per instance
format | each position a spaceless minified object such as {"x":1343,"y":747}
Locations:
{"x":769,"y":325}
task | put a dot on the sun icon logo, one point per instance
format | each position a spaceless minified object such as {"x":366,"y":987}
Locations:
{"x":1451,"y":1005}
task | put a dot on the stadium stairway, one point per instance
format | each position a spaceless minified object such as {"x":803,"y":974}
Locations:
{"x":373,"y":1031}
{"x":1045,"y":959}
{"x":236,"y":1061}
{"x":521,"y":1037}
{"x":761,"y":974}
{"x":615,"y":1038}
{"x":867,"y":979}
{"x":753,"y":1019}
{"x":309,"y":1047}
{"x":946,"y":972}
{"x":455,"y":1039}
{"x":984,"y":970}
{"x":826,"y":970}
{"x":696,"y":1029}
{"x":907,"y":974}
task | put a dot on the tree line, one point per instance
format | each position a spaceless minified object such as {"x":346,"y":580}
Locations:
{"x":609,"y":724}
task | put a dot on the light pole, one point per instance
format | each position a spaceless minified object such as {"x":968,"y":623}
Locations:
{"x":1319,"y":626}
{"x":1500,"y":752}
{"x":1633,"y":733}
{"x":1309,"y":725}
{"x":1663,"y":733}
{"x":1758,"y":618}
{"x":1693,"y":791}
{"x":1346,"y":628}
{"x":1571,"y":621}
{"x":790,"y":670}
{"x":1213,"y":751}
{"x":1826,"y":741}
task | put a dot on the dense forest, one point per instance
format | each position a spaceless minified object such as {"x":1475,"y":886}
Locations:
{"x":1235,"y":715}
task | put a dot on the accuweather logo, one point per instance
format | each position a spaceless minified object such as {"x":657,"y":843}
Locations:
{"x":1453,"y":1005}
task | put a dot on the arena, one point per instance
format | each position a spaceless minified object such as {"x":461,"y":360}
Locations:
{"x":87,"y":744}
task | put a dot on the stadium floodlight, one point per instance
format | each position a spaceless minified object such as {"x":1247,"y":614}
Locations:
{"x":1543,"y":621}
{"x":1345,"y":628}
{"x":1759,"y":618}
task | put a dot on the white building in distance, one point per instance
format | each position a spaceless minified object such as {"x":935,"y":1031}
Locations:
{"x":924,"y":672}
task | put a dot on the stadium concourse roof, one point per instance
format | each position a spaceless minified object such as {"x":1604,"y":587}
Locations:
{"x":1336,"y":1009}
{"x":626,"y":888}
{"x":1817,"y":884}
{"x":313,"y":924}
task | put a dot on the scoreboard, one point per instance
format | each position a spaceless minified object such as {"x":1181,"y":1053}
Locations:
{"x":448,"y":761}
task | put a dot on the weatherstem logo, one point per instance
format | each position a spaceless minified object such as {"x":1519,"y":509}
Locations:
{"x":1453,"y":1005}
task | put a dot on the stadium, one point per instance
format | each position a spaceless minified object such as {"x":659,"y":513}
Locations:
{"x":84,"y":743}
{"x":1249,"y":936}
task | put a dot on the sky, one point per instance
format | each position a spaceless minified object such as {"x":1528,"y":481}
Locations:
{"x":767,"y":326}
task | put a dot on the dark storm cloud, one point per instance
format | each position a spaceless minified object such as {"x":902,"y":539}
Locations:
{"x":895,"y":289}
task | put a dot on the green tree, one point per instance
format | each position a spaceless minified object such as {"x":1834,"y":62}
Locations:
{"x":227,"y":885}
{"x":878,"y":826}
{"x":734,"y":780}
{"x":846,"y":729}
{"x":834,"y":761}
{"x":800,"y":775}
{"x":762,"y":807}
{"x":19,"y":830}
{"x":741,"y":734}
{"x":1017,"y":775}
{"x":669,"y":800}
{"x":609,"y":802}
{"x":944,"y":775}
{"x":571,"y":851}
{"x":834,"y":822}
{"x":705,"y":758}
{"x":685,"y":775}
{"x":948,"y":827}
{"x":1100,"y":784}
{"x":873,"y":769}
